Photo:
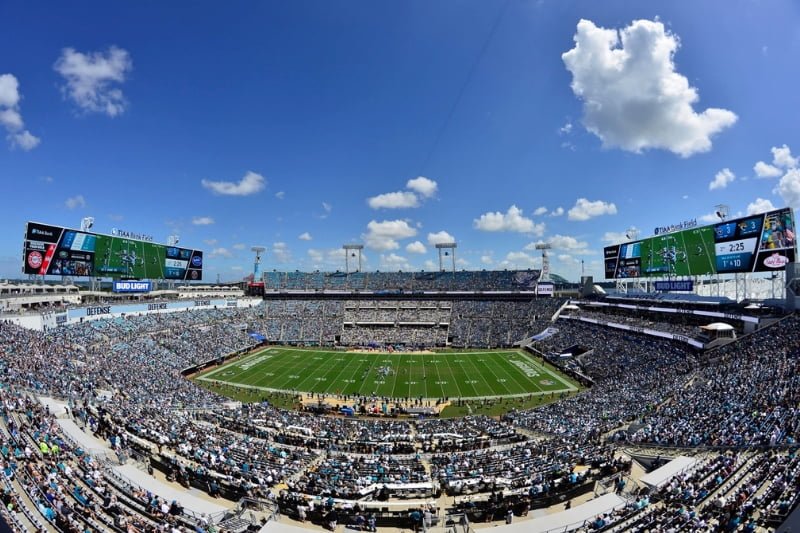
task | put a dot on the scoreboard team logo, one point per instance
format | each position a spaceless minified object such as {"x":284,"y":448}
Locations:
{"x":35,"y":259}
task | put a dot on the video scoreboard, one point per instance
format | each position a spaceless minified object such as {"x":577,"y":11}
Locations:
{"x":58,"y":251}
{"x":757,"y":243}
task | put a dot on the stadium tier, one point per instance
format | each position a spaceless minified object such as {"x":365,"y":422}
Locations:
{"x":339,"y":424}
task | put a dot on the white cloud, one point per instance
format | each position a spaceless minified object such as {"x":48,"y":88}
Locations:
{"x":708,"y":218}
{"x":632,"y":96}
{"x":394,"y":200}
{"x":74,"y":202}
{"x":511,"y":220}
{"x":722,"y":179}
{"x":383,"y":236}
{"x":416,"y":247}
{"x":430,"y":266}
{"x":327,"y":208}
{"x":565,"y":129}
{"x":765,"y":170}
{"x":422,"y":185}
{"x":540,"y":211}
{"x":440,"y":237}
{"x":210,"y":242}
{"x":305,"y":236}
{"x":220,"y":252}
{"x":567,"y":258}
{"x":92,"y":79}
{"x":487,"y":259}
{"x":239,"y":246}
{"x":782,"y":157}
{"x":557,"y":212}
{"x":251,"y":183}
{"x":332,"y":258}
{"x":393,"y":261}
{"x":10,"y":116}
{"x":280,"y":195}
{"x":585,"y":209}
{"x":24,"y":140}
{"x":202,"y":221}
{"x":518,"y":260}
{"x":789,"y":188}
{"x":760,"y":205}
{"x":281,"y":252}
{"x":566,"y":242}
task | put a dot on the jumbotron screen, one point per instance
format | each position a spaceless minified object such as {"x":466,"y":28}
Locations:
{"x":57,"y":251}
{"x":757,"y":243}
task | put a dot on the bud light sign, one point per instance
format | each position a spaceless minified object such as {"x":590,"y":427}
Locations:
{"x":132,"y":286}
{"x":675,"y":286}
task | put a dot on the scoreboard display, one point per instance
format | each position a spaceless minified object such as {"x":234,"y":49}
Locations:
{"x":57,"y":251}
{"x":757,"y":243}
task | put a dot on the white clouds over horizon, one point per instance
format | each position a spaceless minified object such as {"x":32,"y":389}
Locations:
{"x":202,"y":221}
{"x":722,"y":179}
{"x":92,"y":79}
{"x":11,"y":117}
{"x":251,"y":183}
{"x":633,"y":98}
{"x":383,"y":236}
{"x":421,"y":188}
{"x":585,"y":209}
{"x":513,"y":220}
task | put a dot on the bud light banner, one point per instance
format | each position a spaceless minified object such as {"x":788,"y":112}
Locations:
{"x":675,"y":285}
{"x":132,"y":286}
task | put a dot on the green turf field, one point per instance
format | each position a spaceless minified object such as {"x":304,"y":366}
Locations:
{"x":452,"y":375}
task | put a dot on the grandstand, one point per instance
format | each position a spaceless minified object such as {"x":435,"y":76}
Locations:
{"x":95,"y":399}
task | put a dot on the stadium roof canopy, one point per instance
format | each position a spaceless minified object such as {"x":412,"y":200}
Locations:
{"x":717,"y":326}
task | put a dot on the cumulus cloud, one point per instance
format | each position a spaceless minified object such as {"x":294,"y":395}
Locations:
{"x":75,"y":202}
{"x":422,"y":185}
{"x":416,"y":247}
{"x":722,"y":179}
{"x":239,"y":246}
{"x":765,"y":170}
{"x":557,"y":212}
{"x":512,"y":220}
{"x":585,"y":209}
{"x":789,"y":187}
{"x":92,"y":79}
{"x":440,"y":237}
{"x":393,"y":261}
{"x":281,"y":252}
{"x":394,"y":200}
{"x":759,"y":205}
{"x":280,"y":195}
{"x":383,"y":236}
{"x":202,"y":221}
{"x":540,"y":211}
{"x":614,"y":237}
{"x":782,"y":157}
{"x":633,"y":98}
{"x":220,"y":252}
{"x":251,"y":183}
{"x":518,"y":260}
{"x":305,"y":236}
{"x":420,"y":189}
{"x":10,"y":116}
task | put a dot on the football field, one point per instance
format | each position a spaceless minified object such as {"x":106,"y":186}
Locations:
{"x":469,"y":374}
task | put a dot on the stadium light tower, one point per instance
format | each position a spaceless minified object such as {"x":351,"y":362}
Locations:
{"x":545,"y":274}
{"x":722,"y":211}
{"x":257,"y":263}
{"x":87,"y":223}
{"x":354,"y":251}
{"x":447,"y":249}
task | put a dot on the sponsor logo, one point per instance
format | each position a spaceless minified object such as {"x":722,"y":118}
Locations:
{"x":100,"y":310}
{"x":686,"y":224}
{"x":63,"y":254}
{"x":546,"y":382}
{"x":35,"y":259}
{"x":194,"y":274}
{"x":131,"y":235}
{"x":776,"y":261}
{"x":197,"y":261}
{"x":132,"y":286}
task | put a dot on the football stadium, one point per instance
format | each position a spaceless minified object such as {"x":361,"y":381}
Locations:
{"x":292,"y":267}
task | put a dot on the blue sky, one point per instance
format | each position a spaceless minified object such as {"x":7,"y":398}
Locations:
{"x":289,"y":125}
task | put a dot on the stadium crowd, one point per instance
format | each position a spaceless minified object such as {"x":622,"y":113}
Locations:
{"x":123,"y":379}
